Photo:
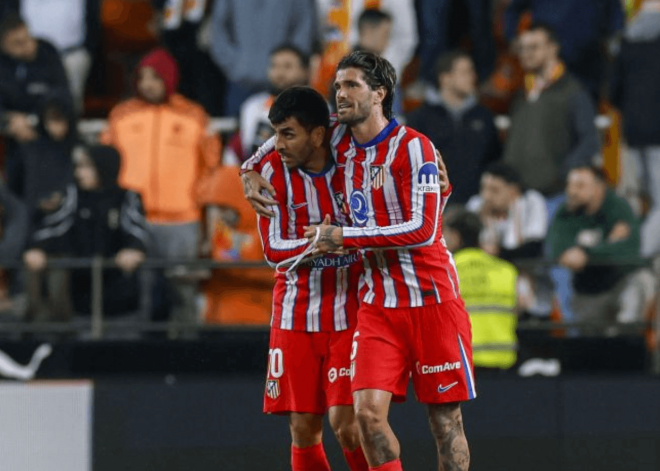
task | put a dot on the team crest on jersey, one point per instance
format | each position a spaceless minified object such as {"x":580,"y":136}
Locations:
{"x":427,"y":178}
{"x":359,"y":209}
{"x":377,"y":174}
{"x":273,"y":388}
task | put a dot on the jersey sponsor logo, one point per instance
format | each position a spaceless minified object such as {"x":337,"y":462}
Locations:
{"x":334,"y":373}
{"x":444,"y":389}
{"x":377,"y":174}
{"x":298,"y":206}
{"x":427,"y":177}
{"x":333,"y":261}
{"x":273,"y":388}
{"x":432,"y":369}
{"x":359,"y":210}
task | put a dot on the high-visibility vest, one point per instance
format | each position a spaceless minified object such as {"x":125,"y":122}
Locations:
{"x":488,"y":287}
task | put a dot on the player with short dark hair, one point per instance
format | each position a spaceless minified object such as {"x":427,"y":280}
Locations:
{"x":411,"y":319}
{"x":314,"y":304}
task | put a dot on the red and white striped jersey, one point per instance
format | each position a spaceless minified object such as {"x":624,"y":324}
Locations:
{"x":321,"y":294}
{"x":393,"y":189}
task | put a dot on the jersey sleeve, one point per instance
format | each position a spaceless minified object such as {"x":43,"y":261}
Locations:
{"x":417,"y":171}
{"x":258,"y":159}
{"x":276,"y":243}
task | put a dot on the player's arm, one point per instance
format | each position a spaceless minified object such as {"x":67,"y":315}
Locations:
{"x":418,"y":173}
{"x":254,"y":183}
{"x":276,"y":243}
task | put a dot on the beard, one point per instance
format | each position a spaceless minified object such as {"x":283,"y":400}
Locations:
{"x":358,"y":117}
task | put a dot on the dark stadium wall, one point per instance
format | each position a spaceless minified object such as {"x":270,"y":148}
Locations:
{"x":215,"y":423}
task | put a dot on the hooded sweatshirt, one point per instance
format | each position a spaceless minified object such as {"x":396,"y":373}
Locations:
{"x":167,"y":155}
{"x":237,"y":296}
{"x":99,"y":222}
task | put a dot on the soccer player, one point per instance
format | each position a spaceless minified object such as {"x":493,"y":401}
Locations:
{"x":412,"y":319}
{"x":314,"y":304}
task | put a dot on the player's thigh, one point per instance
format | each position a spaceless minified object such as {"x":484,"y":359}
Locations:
{"x":380,"y":352}
{"x":294,"y":379}
{"x":443,"y":371}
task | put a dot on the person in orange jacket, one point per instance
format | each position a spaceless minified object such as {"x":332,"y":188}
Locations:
{"x":170,"y":159}
{"x":235,"y":295}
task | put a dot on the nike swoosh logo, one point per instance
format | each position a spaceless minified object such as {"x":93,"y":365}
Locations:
{"x":444,"y":389}
{"x":298,"y":206}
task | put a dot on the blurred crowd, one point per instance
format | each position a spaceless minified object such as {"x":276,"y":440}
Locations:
{"x":546,"y":112}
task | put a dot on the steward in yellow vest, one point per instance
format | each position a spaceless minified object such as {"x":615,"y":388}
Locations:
{"x":488,"y":287}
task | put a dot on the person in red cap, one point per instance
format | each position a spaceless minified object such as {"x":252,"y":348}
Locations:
{"x":169,"y":158}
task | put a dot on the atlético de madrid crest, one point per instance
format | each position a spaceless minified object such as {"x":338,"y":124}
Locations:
{"x":377,"y":174}
{"x":273,"y":388}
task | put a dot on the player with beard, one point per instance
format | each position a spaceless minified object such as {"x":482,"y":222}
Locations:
{"x":314,"y":303}
{"x":412,"y":319}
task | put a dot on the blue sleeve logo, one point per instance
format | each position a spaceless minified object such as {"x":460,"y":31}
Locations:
{"x":427,"y":178}
{"x":359,"y":210}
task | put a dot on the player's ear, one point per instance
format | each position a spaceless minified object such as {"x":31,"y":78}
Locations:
{"x":318,"y":136}
{"x":380,"y":95}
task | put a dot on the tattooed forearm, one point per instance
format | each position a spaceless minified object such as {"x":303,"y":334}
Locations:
{"x":326,"y":238}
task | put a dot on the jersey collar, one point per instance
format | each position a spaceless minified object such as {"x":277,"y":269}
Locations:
{"x":380,"y":137}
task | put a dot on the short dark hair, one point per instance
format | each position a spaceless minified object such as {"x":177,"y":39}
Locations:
{"x":9,"y":23}
{"x":598,"y":172}
{"x":445,"y":63}
{"x":288,"y":47}
{"x":504,"y":172}
{"x":303,"y":103}
{"x":549,"y":31}
{"x":378,"y":72}
{"x":468,"y":225}
{"x":372,"y":17}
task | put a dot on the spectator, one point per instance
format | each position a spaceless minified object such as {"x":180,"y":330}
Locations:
{"x":181,"y":24}
{"x":515,"y":221}
{"x":583,"y":29}
{"x":167,"y":157}
{"x":48,"y":160}
{"x":402,"y":36}
{"x":13,"y":234}
{"x":594,"y":227}
{"x":636,"y":92}
{"x":289,"y":66}
{"x":96,"y":218}
{"x":236,"y":296}
{"x":458,"y":125}
{"x":241,"y":28}
{"x":73,"y":27}
{"x":552,"y":124}
{"x":488,"y":287}
{"x":374,"y":31}
{"x":436,"y":19}
{"x":31,"y":75}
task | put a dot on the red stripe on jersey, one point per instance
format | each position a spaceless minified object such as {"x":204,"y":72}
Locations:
{"x":320,"y":295}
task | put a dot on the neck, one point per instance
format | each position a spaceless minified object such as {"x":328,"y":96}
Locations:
{"x":370,"y":128}
{"x":452,"y":99}
{"x":318,"y":160}
{"x":597,"y":202}
{"x":546,"y":72}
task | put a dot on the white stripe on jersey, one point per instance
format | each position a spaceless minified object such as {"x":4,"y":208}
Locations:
{"x":340,"y":300}
{"x":288,"y":303}
{"x":291,"y":229}
{"x":370,"y":156}
{"x":409,"y":275}
{"x":315,"y":294}
{"x":391,"y":299}
{"x":368,"y":279}
{"x":312,"y":198}
{"x":337,"y":134}
{"x":392,"y":203}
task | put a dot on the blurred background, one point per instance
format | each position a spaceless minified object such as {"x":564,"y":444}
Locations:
{"x":134,"y":299}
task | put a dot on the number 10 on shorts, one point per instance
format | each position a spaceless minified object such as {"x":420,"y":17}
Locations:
{"x":275,"y":363}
